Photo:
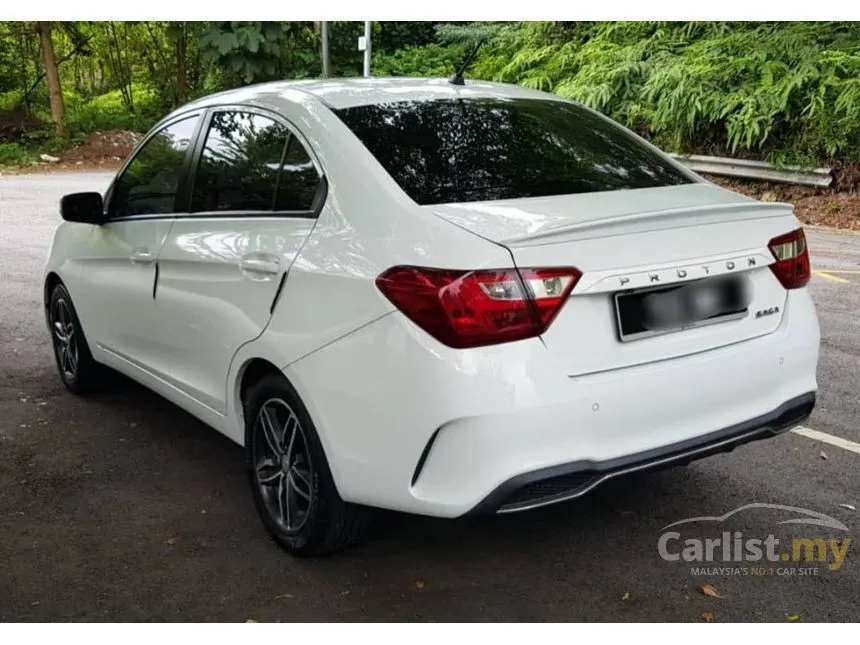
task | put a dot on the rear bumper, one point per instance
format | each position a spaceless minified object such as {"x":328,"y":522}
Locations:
{"x":566,"y":482}
{"x":410,"y":425}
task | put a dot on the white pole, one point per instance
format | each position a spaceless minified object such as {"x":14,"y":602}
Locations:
{"x":366,"y":48}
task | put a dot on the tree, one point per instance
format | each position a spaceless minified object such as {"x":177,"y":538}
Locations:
{"x":52,"y":77}
{"x":179,"y":36}
{"x":249,"y":52}
{"x":117,"y":57}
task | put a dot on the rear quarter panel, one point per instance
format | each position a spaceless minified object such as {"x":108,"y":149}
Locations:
{"x":366,"y":226}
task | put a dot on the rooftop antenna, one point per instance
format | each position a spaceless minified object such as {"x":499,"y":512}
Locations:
{"x":457,"y":78}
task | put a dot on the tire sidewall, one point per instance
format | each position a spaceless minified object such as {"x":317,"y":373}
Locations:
{"x":313,"y":532}
{"x":61,"y":293}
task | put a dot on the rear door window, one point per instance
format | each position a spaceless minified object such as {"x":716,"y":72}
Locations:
{"x":240,"y":163}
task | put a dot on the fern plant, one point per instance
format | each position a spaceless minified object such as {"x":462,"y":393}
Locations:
{"x":786,"y":91}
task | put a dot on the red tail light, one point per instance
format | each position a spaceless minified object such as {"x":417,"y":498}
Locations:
{"x":792,"y":259}
{"x":475,"y":308}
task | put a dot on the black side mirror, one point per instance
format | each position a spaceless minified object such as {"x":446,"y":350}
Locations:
{"x":86,"y":208}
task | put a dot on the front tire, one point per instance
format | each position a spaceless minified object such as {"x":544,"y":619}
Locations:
{"x":80,"y":373}
{"x":290,"y":479}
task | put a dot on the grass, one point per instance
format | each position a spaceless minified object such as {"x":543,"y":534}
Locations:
{"x":14,"y":154}
{"x":83,"y":117}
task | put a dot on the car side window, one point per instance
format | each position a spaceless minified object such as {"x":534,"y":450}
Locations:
{"x":150,"y":183}
{"x":239,"y":164}
{"x":299,"y":180}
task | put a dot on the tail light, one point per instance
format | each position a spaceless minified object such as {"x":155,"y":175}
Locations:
{"x":475,"y":308}
{"x":792,"y":266}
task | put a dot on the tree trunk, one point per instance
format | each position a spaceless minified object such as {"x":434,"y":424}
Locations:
{"x":182,"y":78}
{"x":52,"y":77}
{"x":22,"y":53}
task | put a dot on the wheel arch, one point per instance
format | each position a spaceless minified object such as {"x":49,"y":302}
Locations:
{"x":251,"y":371}
{"x":52,"y":279}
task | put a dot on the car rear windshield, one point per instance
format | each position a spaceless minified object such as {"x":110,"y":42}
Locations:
{"x":478,"y":149}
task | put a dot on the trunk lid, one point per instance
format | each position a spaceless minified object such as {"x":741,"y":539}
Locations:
{"x":624,"y":241}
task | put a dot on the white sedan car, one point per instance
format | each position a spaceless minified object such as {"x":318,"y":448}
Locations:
{"x":433,"y":298}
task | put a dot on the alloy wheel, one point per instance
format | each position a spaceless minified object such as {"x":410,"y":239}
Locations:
{"x":282,"y":465}
{"x":65,"y":339}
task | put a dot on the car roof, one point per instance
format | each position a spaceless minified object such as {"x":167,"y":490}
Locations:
{"x":351,"y":92}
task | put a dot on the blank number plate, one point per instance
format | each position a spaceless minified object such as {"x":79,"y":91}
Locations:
{"x":663,"y":310}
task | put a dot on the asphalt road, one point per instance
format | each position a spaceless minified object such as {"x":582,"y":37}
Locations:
{"x":123,"y":507}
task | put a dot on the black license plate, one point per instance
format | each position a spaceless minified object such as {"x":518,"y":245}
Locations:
{"x":661,"y":310}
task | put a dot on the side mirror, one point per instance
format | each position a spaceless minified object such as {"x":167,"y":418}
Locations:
{"x":86,"y":208}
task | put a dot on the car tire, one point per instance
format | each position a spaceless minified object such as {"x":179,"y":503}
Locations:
{"x":80,"y":373}
{"x":290,"y":479}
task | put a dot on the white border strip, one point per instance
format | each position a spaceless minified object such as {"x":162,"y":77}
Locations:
{"x":839,"y":442}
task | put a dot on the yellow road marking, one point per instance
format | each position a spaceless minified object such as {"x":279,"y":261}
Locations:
{"x":848,"y":271}
{"x":826,"y":274}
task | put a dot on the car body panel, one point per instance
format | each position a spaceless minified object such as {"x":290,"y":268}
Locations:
{"x":112,"y":290}
{"x":209,"y":304}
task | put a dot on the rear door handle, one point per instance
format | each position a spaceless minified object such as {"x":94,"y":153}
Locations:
{"x":142,"y":256}
{"x":260,"y":264}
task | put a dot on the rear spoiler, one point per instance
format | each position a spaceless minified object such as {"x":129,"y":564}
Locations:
{"x":655,"y":220}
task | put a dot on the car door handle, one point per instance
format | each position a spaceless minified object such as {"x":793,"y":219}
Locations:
{"x":142,"y":256}
{"x":260,"y":264}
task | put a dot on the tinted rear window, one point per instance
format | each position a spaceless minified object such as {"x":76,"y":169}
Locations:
{"x":463,"y":150}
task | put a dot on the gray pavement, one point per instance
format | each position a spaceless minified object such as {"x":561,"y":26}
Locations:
{"x":123,"y":507}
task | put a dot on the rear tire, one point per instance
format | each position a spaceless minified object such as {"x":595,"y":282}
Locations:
{"x":80,"y":373}
{"x":289,"y":475}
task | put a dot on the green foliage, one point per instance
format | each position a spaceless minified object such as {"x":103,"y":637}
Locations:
{"x":247,"y":52}
{"x":393,"y":35}
{"x":10,"y":100}
{"x":429,"y":60}
{"x":14,"y":154}
{"x":466,"y":34}
{"x":788,"y":90}
{"x":109,"y":111}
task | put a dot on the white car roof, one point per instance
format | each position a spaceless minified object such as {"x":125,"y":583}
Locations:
{"x":350,"y":92}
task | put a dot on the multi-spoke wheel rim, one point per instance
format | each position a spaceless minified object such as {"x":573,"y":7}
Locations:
{"x":282,"y":465}
{"x":65,"y":338}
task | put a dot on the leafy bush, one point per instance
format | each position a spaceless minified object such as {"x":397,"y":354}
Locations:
{"x":108,"y":112}
{"x":246,"y":51}
{"x":14,"y":154}
{"x":10,"y":100}
{"x":790,"y":91}
{"x":427,"y":60}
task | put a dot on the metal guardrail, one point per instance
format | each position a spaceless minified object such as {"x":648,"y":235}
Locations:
{"x":760,"y":170}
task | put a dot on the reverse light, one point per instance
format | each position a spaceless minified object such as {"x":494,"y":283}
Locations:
{"x":792,"y":266}
{"x":475,"y":308}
